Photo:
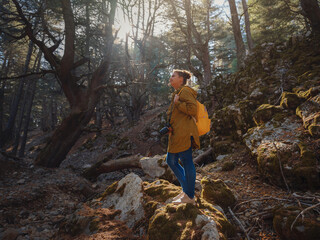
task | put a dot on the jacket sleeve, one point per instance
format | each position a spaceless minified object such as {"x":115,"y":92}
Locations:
{"x":187,"y":103}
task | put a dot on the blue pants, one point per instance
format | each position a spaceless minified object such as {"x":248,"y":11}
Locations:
{"x":186,"y":175}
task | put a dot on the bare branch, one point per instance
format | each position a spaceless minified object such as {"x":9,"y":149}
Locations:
{"x":42,"y":73}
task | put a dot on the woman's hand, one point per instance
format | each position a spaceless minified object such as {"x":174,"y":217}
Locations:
{"x":176,"y":98}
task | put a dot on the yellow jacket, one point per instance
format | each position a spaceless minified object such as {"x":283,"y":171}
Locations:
{"x":182,"y":121}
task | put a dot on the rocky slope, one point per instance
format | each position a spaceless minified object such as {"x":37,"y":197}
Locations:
{"x":263,"y":182}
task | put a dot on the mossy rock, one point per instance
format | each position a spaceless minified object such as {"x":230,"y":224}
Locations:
{"x":309,"y":112}
{"x":299,"y":165}
{"x":228,"y":166}
{"x":174,"y":222}
{"x":314,"y":130}
{"x":112,"y":189}
{"x":161,"y":190}
{"x":180,"y":222}
{"x":264,"y":113}
{"x":303,"y":229}
{"x":290,"y":100}
{"x":217,"y":192}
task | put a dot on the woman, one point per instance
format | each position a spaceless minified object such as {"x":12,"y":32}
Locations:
{"x":184,"y":135}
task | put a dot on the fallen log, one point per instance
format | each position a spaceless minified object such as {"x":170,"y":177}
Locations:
{"x":104,"y":166}
{"x":204,"y":158}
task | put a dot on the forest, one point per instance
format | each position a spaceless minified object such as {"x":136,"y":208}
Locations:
{"x":84,"y":91}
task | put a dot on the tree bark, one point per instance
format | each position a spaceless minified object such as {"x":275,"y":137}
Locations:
{"x":63,"y":139}
{"x":247,"y":22}
{"x":241,"y":51}
{"x":312,"y":12}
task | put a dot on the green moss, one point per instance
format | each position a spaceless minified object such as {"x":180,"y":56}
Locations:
{"x":187,"y":232}
{"x":111,"y":189}
{"x":150,"y":207}
{"x":228,"y":166}
{"x":290,"y":100}
{"x":161,"y":190}
{"x":305,"y":94}
{"x":222,"y":222}
{"x":217,"y":192}
{"x":264,"y":113}
{"x":314,"y":130}
{"x":160,"y":227}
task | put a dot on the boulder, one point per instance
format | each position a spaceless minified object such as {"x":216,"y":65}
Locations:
{"x":184,"y":221}
{"x":126,"y":196}
{"x":304,"y":228}
{"x":156,"y":167}
{"x":281,"y":141}
{"x":264,"y":113}
{"x":217,"y":192}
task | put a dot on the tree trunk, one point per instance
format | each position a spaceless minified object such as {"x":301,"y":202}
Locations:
{"x":7,"y":133}
{"x":4,"y":72}
{"x":206,"y":68}
{"x":82,"y":100}
{"x":241,"y":51}
{"x":27,"y":118}
{"x":31,"y":92}
{"x":312,"y":11}
{"x":63,"y":139}
{"x":247,"y":22}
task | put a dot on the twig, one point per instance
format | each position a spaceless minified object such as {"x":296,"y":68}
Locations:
{"x":261,"y":199}
{"x":278,"y":156}
{"x":239,"y":222}
{"x":302,"y":212}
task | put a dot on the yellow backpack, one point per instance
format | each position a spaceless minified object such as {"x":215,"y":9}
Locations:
{"x":202,"y":119}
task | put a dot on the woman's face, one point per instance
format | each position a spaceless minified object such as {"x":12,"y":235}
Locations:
{"x":175,"y":80}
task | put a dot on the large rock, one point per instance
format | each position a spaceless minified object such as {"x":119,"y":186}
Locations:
{"x":234,"y":119}
{"x":304,"y":228}
{"x":217,"y":192}
{"x":280,"y":141}
{"x":184,"y":221}
{"x":156,"y":167}
{"x":126,"y":196}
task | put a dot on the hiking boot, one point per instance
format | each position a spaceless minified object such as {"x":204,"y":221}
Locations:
{"x":184,"y":199}
{"x":178,"y":196}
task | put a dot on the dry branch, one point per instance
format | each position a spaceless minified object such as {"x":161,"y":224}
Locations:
{"x":280,"y":165}
{"x":239,"y":223}
{"x":302,"y":212}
